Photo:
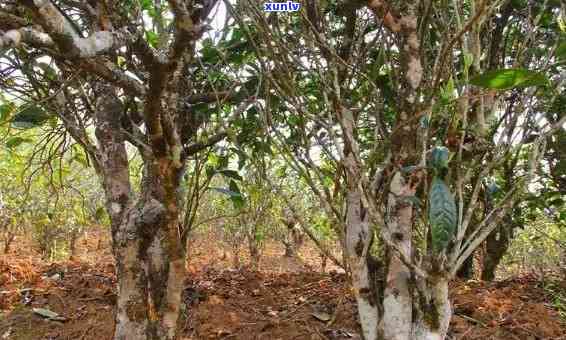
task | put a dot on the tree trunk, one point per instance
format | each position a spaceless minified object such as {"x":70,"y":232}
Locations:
{"x":74,"y":235}
{"x":432,"y":312}
{"x":151,"y":272}
{"x":358,"y":239}
{"x":255,"y":253}
{"x":397,"y":301}
{"x":9,"y":238}
{"x":289,"y":249}
{"x":151,"y":275}
{"x":413,"y":308}
{"x":497,"y":244}
{"x":145,"y":237}
{"x":466,"y":272}
{"x":236,"y":258}
{"x":323,"y":262}
{"x":405,"y":307}
{"x":293,"y":239}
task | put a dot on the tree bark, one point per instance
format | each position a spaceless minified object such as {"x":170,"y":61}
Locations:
{"x":9,"y":238}
{"x":466,"y":272}
{"x":497,"y":244}
{"x":151,"y":269}
{"x":73,"y":237}
{"x":432,"y":312}
{"x":145,"y":237}
{"x":254,"y":248}
{"x":411,"y":308}
{"x":289,"y":250}
{"x":397,"y":299}
{"x":358,"y":239}
{"x":293,"y":238}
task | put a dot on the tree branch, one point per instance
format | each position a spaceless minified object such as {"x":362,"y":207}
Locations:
{"x":220,"y":135}
{"x":15,"y":37}
{"x":9,"y":21}
{"x":66,"y":36}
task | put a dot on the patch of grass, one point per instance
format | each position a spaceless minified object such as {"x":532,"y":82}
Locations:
{"x":556,"y":295}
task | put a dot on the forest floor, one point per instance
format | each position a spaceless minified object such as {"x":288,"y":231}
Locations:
{"x":288,"y":298}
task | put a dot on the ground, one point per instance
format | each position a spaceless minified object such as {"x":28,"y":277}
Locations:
{"x":286,"y":299}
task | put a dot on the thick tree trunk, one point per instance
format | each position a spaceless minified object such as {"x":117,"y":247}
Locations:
{"x":413,"y":308}
{"x":294,"y":238}
{"x":293,"y":243}
{"x":145,"y":237}
{"x":236,"y":263}
{"x":151,"y":273}
{"x":432,"y":311}
{"x":131,"y":312}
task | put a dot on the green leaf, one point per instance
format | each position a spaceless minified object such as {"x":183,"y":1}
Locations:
{"x":447,"y":92}
{"x":237,"y":200}
{"x":30,"y":117}
{"x":209,"y":170}
{"x":519,"y":4}
{"x":16,"y":141}
{"x":506,"y":79}
{"x":424,"y":122}
{"x":80,"y":158}
{"x":560,"y":51}
{"x":492,"y":188}
{"x":439,"y":157}
{"x":210,"y":54}
{"x":233,"y":193}
{"x":442,"y":214}
{"x":100,"y":213}
{"x":152,"y":38}
{"x":281,"y":172}
{"x":227,"y":192}
{"x":231,"y":174}
{"x":146,"y":4}
{"x":6,"y":110}
{"x":468,"y":60}
{"x":383,"y":82}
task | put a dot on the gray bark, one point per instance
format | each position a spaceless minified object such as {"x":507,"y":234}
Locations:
{"x":358,"y":239}
{"x":397,"y":301}
{"x":146,"y":244}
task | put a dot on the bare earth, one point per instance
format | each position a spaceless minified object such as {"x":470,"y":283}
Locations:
{"x":286,"y":299}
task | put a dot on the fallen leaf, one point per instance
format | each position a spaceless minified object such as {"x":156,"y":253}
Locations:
{"x":322,"y":316}
{"x":46,"y":313}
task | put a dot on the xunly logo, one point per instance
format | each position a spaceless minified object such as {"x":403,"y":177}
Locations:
{"x":288,"y":6}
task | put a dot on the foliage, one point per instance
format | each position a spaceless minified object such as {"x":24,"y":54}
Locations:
{"x":377,"y":108}
{"x":509,"y":79}
{"x":557,"y":296}
{"x":52,"y":199}
{"x":540,"y":247}
{"x":443,"y":216}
